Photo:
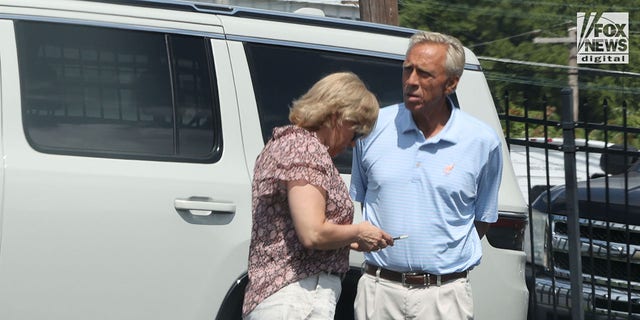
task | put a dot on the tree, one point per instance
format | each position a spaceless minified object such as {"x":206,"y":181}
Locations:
{"x":501,"y":32}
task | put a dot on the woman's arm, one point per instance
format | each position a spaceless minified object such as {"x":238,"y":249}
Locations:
{"x":307,"y":204}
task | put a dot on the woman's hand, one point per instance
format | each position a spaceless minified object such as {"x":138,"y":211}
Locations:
{"x":371,"y":238}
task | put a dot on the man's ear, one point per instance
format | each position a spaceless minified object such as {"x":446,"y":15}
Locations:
{"x":451,"y":85}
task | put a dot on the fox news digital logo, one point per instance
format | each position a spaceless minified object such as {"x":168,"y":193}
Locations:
{"x":603,"y":38}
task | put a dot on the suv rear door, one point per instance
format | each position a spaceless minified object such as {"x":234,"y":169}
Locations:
{"x":101,"y":174}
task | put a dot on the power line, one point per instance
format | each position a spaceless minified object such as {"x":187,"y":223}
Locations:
{"x":553,"y":83}
{"x":537,"y":31}
{"x":550,"y":65}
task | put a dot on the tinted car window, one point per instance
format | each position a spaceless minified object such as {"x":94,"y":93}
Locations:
{"x":281,"y":74}
{"x":117,"y":93}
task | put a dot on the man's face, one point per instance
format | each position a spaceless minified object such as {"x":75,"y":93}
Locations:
{"x":424,"y":78}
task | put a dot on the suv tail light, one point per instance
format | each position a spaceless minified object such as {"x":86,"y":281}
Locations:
{"x":508,"y":231}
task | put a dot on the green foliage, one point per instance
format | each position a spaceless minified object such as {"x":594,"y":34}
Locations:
{"x":530,"y":76}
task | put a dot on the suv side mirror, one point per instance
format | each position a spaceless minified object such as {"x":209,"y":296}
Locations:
{"x":618,"y":161}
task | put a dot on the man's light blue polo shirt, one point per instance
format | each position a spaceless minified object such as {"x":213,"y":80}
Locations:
{"x":430,"y":189}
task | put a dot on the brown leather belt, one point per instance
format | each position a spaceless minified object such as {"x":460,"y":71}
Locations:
{"x":412,"y":279}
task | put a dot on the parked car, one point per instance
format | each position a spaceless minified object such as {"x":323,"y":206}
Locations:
{"x":609,"y":217}
{"x":129,"y":131}
{"x":540,"y":161}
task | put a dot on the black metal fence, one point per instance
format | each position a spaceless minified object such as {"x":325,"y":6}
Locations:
{"x":582,"y":181}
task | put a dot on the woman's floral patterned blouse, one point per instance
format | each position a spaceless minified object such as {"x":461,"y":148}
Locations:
{"x":276,"y":256}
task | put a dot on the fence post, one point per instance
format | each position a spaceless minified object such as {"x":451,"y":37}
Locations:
{"x":573,"y":218}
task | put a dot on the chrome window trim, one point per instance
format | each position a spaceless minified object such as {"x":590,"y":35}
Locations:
{"x":306,"y":45}
{"x":472,"y":67}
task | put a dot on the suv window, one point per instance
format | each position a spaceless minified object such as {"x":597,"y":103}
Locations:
{"x":281,"y":74}
{"x":117,"y":93}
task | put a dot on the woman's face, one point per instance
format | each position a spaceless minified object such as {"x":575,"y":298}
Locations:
{"x":343,"y":136}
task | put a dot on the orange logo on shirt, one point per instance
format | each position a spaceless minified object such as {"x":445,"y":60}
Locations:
{"x":448,"y":169}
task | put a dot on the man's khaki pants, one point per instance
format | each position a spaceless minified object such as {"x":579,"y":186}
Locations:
{"x":381,"y":299}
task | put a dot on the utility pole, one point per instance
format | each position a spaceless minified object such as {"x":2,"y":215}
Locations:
{"x":573,"y":64}
{"x":380,"y":11}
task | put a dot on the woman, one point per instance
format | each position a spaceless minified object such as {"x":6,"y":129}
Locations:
{"x":302,"y":213}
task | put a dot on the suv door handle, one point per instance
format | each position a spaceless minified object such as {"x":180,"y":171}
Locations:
{"x":204,"y":204}
{"x":205,"y":211}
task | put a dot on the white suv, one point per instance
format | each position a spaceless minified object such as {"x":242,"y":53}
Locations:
{"x":129,"y":131}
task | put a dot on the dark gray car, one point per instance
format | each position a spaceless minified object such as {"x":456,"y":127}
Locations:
{"x":609,"y":209}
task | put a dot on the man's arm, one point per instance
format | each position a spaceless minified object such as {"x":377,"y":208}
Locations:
{"x":489,"y":187}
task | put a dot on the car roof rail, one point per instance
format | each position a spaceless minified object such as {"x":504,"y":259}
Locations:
{"x":271,"y":15}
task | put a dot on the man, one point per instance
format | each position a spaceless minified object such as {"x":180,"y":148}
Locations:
{"x":431,"y":172}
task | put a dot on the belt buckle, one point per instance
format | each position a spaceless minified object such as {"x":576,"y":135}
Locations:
{"x":426,"y":279}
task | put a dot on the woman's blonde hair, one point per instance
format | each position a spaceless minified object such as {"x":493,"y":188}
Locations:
{"x":342,"y":94}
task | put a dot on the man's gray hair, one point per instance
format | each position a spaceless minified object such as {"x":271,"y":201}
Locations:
{"x":454,"y":63}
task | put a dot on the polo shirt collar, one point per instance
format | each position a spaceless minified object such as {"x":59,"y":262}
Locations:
{"x":451,"y":131}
